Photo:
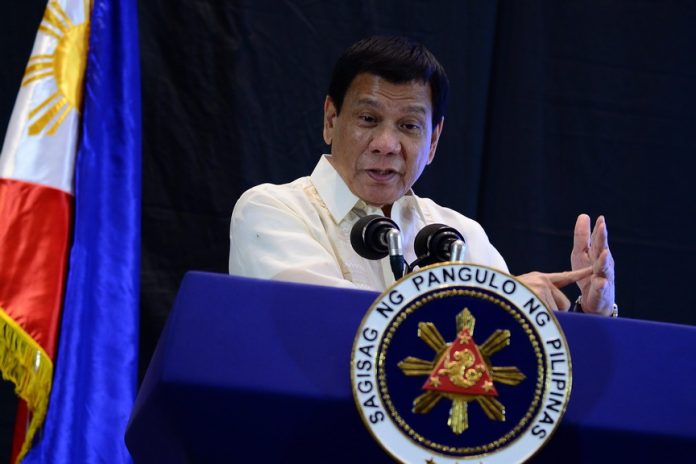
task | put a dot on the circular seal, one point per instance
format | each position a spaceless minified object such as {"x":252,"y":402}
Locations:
{"x":460,"y":362}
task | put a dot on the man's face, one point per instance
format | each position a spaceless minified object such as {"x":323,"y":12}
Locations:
{"x":383,"y":138}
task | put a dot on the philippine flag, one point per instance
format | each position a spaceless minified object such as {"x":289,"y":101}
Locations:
{"x":70,"y":233}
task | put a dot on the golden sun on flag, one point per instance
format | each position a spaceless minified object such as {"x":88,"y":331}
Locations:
{"x":66,"y":65}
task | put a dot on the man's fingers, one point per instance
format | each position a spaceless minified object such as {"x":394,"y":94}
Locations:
{"x":604,"y":266}
{"x":562,"y":279}
{"x":581,"y":234}
{"x":546,"y":290}
{"x":561,"y":302}
{"x":600,"y":238}
{"x":580,"y":255}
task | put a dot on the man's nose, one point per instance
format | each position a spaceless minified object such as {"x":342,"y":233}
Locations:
{"x":386,"y":141}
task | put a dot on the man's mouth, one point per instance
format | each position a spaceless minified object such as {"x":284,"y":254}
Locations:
{"x":381,"y":175}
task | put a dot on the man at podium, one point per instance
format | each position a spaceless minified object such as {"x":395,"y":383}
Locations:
{"x":383,"y":117}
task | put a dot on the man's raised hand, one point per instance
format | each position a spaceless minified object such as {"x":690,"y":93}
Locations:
{"x":592,"y":251}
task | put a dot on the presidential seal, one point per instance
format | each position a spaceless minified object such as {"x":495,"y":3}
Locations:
{"x":460,"y":362}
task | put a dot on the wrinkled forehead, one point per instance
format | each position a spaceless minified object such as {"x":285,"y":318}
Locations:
{"x":373,"y":91}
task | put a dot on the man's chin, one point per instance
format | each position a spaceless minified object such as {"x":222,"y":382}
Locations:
{"x":379,"y":195}
{"x":380,"y":200}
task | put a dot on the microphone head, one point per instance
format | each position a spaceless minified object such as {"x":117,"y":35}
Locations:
{"x":369,"y":236}
{"x":433,"y":243}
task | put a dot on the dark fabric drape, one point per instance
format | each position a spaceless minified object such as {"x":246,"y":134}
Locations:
{"x":233,"y":97}
{"x":556,"y":108}
{"x":592,"y":110}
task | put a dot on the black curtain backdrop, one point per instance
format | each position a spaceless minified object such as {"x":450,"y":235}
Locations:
{"x":557,"y":108}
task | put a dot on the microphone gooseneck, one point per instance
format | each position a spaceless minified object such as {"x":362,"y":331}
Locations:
{"x":457,"y":250}
{"x":396,"y":253}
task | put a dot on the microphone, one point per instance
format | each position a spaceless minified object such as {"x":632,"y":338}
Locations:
{"x":437,"y":243}
{"x":374,"y":237}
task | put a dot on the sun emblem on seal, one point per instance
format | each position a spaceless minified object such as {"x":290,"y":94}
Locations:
{"x":461,"y":372}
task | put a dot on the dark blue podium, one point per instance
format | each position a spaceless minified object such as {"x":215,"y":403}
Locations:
{"x":259,"y":371}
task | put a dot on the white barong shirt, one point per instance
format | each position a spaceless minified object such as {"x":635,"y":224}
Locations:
{"x":300,"y":232}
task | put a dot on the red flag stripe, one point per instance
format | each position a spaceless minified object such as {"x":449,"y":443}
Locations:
{"x":34,"y":240}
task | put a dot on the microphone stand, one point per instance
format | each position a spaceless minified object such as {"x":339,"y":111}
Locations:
{"x":457,"y":249}
{"x":396,"y":253}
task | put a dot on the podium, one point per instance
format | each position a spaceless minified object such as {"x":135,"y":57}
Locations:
{"x":259,"y":371}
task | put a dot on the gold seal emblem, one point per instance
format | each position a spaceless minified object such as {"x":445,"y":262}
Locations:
{"x":461,"y":372}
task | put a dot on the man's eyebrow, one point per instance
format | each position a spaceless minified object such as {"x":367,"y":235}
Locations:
{"x":368,"y":102}
{"x":416,"y":109}
{"x":420,"y":109}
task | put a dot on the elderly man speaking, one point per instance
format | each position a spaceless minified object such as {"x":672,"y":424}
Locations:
{"x":383,"y":117}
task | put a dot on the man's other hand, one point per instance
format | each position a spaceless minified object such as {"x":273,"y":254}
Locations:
{"x":592,"y":251}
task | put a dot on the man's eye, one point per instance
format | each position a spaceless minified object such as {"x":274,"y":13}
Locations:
{"x":411,"y":127}
{"x":367,"y":118}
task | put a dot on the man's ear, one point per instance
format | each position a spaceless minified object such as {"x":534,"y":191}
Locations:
{"x":330,"y":114}
{"x":437,"y":130}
